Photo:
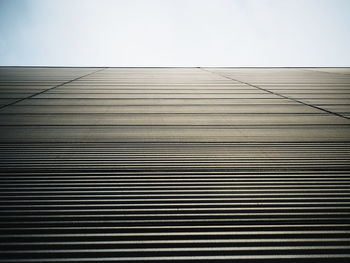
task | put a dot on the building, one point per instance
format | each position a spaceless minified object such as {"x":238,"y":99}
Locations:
{"x":174,"y":164}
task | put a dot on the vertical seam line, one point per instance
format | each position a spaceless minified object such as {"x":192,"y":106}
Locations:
{"x":43,"y":91}
{"x":277,"y":94}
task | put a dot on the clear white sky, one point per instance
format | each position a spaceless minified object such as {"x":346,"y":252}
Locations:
{"x":175,"y":32}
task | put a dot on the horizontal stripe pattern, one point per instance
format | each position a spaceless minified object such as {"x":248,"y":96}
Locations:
{"x":174,"y":165}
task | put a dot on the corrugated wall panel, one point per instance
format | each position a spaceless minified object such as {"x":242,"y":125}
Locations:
{"x":174,"y":165}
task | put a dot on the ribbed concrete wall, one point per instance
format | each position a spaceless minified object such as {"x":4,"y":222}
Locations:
{"x":174,"y":164}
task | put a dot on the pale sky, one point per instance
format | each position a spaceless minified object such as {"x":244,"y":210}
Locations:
{"x":237,"y":33}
